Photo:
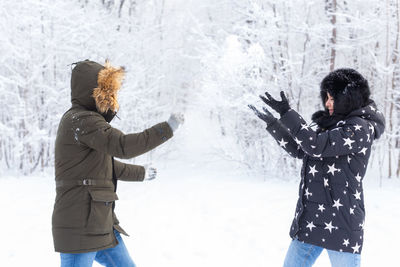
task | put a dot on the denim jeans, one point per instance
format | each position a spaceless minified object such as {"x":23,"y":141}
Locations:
{"x":112,"y":257}
{"x":304,"y":255}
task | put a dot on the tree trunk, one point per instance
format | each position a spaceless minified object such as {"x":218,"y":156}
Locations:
{"x":331,"y":8}
{"x":387,"y":91}
{"x":395,"y":84}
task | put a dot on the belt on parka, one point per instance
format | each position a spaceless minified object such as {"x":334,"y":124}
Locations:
{"x":84,"y":182}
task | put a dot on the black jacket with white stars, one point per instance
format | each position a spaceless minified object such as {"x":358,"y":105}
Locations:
{"x":330,"y":210}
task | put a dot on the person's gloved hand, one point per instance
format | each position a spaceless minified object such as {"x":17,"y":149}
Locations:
{"x":279,"y":106}
{"x":150,"y":173}
{"x":175,"y":120}
{"x":267,"y":116}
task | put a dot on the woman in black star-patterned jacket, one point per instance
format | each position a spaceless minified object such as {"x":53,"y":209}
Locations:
{"x":330,"y":210}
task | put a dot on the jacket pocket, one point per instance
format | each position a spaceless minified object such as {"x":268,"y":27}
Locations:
{"x":100,"y":219}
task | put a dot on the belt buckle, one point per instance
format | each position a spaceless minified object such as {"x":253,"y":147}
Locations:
{"x":86,"y":182}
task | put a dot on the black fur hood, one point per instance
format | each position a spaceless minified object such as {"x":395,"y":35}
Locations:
{"x":349,"y":89}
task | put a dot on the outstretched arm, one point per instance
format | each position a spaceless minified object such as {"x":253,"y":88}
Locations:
{"x":275,"y":128}
{"x":128,"y":172}
{"x":285,"y":140}
{"x":352,"y":136}
{"x":93,"y":131}
{"x":348,"y":137}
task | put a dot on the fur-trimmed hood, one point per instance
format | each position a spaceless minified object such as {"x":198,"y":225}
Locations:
{"x":349,"y":89}
{"x":95,"y":87}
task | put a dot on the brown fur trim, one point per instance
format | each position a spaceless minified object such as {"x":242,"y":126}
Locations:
{"x":108,"y":84}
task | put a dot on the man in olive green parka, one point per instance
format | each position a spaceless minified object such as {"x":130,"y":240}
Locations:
{"x":85,"y":169}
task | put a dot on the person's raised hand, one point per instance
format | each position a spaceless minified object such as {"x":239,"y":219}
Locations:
{"x":175,"y":120}
{"x":150,"y":173}
{"x":267,"y":116}
{"x":279,"y":106}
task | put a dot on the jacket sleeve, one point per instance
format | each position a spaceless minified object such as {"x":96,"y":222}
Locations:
{"x":284,"y":140}
{"x":93,"y":131}
{"x":128,"y":172}
{"x":347,"y":138}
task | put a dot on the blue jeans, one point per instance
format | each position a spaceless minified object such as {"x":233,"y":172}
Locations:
{"x":304,"y":255}
{"x":117,"y":256}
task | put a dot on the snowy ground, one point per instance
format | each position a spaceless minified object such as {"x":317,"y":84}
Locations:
{"x":191,"y":220}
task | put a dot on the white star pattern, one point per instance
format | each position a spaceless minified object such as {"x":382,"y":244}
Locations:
{"x":356,"y":248}
{"x":357,"y":195}
{"x":337,"y":204}
{"x":358,"y":177}
{"x":307,"y":194}
{"x":332,"y":169}
{"x":313,"y":170}
{"x":298,"y":141}
{"x":329,"y":227}
{"x":326,"y":182}
{"x":372,"y":108}
{"x":304,"y":127}
{"x":348,"y":142}
{"x":339,"y":164}
{"x":371,"y":128}
{"x":310,"y":225}
{"x":364,"y":151}
{"x":282,"y":143}
{"x":321,"y":207}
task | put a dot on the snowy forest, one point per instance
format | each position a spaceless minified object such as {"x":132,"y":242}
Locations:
{"x":207,"y":59}
{"x":225,"y":192}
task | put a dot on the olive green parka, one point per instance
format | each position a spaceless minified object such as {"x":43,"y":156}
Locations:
{"x":85,"y":169}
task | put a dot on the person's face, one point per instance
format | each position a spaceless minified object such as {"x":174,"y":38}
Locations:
{"x":329,"y":103}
